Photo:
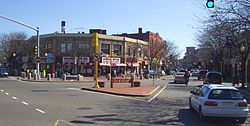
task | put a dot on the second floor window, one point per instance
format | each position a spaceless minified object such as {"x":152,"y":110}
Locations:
{"x":66,"y":47}
{"x":118,"y":49}
{"x":105,"y":48}
{"x":129,"y":50}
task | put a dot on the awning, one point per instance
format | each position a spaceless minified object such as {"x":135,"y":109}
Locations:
{"x":114,"y":64}
{"x":134,"y":64}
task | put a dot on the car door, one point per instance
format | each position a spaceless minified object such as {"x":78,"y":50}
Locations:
{"x":195,"y":98}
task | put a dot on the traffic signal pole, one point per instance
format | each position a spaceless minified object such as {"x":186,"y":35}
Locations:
{"x":38,"y":40}
{"x":95,"y":44}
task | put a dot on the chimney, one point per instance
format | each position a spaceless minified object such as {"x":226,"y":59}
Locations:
{"x":140,"y":30}
{"x":63,"y":26}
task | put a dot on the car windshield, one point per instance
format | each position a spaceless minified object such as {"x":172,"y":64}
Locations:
{"x":225,"y":94}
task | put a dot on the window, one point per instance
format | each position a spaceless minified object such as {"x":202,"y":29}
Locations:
{"x":66,"y":47}
{"x":129,"y":50}
{"x":83,"y":48}
{"x":225,"y":94}
{"x":205,"y":90}
{"x":63,"y":48}
{"x":105,"y":48}
{"x":118,"y":49}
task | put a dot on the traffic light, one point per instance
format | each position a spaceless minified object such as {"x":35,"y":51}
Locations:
{"x":210,"y":4}
{"x":35,"y":50}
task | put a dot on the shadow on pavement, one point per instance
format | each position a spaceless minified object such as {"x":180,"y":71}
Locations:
{"x":190,"y":118}
{"x":159,"y":112}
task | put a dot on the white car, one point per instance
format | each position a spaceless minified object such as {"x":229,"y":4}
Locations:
{"x":180,"y":78}
{"x":216,"y":100}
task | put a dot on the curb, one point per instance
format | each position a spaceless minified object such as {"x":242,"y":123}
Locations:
{"x":118,"y":93}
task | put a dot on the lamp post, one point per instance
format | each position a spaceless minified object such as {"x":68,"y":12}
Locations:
{"x":242,"y":49}
{"x":38,"y":40}
{"x":110,"y":68}
{"x":14,"y":63}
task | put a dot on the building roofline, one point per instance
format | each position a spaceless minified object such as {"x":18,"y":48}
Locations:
{"x":102,"y":36}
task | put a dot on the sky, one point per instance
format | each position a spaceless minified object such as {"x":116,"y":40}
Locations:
{"x":174,"y":20}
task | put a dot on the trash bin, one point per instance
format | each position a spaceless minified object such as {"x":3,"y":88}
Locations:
{"x":137,"y":83}
{"x":101,"y":84}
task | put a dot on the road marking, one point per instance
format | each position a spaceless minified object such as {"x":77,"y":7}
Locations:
{"x":1,"y":90}
{"x":157,"y":94}
{"x":7,"y":93}
{"x":25,"y":103}
{"x":14,"y":97}
{"x":125,"y":97}
{"x":39,"y":110}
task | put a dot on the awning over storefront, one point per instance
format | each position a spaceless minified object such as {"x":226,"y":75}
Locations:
{"x":134,"y":64}
{"x":114,"y":64}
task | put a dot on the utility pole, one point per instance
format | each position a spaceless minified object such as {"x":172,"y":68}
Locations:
{"x":38,"y":40}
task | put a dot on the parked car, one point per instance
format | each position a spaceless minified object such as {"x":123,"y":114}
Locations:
{"x":149,"y":74}
{"x":213,"y":78}
{"x":180,"y":78}
{"x":202,"y":74}
{"x":216,"y":100}
{"x":195,"y":73}
{"x":3,"y":72}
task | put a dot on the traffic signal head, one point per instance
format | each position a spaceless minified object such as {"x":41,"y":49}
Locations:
{"x":210,"y":4}
{"x":35,"y":50}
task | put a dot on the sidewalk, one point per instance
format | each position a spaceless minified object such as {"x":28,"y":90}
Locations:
{"x":142,"y":91}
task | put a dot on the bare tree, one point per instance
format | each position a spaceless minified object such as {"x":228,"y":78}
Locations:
{"x":14,"y":46}
{"x":228,"y":18}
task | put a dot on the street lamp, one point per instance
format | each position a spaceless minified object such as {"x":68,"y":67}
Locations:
{"x":242,"y":49}
{"x":14,"y":63}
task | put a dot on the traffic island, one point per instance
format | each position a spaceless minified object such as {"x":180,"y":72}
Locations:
{"x":142,"y":91}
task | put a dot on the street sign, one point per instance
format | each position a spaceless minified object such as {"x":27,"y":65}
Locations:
{"x":37,"y":59}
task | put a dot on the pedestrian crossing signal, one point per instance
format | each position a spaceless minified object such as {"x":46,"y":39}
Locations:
{"x":210,"y":4}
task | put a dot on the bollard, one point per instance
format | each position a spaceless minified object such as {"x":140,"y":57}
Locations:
{"x":29,"y":76}
{"x":78,"y":77}
{"x":23,"y":74}
{"x":49,"y":77}
{"x":35,"y":76}
{"x":64,"y":77}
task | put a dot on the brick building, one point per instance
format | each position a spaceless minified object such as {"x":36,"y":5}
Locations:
{"x":155,"y":43}
{"x":74,"y":53}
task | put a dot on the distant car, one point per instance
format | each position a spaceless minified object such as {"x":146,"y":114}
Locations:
{"x":149,"y":74}
{"x":180,"y":78}
{"x":3,"y":72}
{"x":161,"y":73}
{"x":195,"y":73}
{"x":202,"y":74}
{"x":216,"y":100}
{"x":213,"y":78}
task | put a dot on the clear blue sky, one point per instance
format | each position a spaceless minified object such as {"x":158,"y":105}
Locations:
{"x":172,"y":19}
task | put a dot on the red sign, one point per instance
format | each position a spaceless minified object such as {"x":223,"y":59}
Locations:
{"x":37,"y":60}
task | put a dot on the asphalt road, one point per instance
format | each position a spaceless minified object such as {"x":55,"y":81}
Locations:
{"x":63,"y":104}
